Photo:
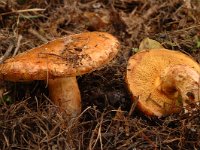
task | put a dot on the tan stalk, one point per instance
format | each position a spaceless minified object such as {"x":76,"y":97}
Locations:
{"x":181,"y":80}
{"x":64,"y":92}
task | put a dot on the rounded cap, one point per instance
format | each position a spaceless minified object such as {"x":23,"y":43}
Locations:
{"x":69,"y":56}
{"x":143,"y":79}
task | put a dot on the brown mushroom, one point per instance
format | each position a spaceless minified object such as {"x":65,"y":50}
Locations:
{"x":59,"y":62}
{"x":163,"y":80}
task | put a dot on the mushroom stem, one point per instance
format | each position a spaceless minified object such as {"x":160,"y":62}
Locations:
{"x":65,"y":93}
{"x":181,"y":81}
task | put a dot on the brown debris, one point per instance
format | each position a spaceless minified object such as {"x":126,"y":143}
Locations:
{"x":28,"y":119}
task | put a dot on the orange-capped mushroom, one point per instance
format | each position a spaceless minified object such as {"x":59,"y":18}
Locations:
{"x":163,"y":80}
{"x":59,"y":62}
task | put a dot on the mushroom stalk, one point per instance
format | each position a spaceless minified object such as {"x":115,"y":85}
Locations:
{"x":63,"y":59}
{"x":65,"y":93}
{"x":181,"y":81}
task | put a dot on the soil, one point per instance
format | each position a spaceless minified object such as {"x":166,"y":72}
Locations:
{"x":109,"y":119}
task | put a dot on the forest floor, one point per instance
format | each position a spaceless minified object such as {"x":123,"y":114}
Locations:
{"x":29,"y":120}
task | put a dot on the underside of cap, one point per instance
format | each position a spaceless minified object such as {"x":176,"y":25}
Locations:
{"x":69,"y":56}
{"x":143,"y":79}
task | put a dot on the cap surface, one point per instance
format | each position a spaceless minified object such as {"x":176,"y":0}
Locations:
{"x":143,"y":78}
{"x":69,"y":56}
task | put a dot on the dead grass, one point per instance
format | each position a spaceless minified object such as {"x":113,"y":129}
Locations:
{"x":31,"y":121}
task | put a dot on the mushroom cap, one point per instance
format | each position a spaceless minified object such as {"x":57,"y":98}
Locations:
{"x":68,"y":56}
{"x":143,"y":78}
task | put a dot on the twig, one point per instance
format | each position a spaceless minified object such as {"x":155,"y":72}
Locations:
{"x":148,"y":140}
{"x":39,"y":36}
{"x":21,"y":11}
{"x":7,"y":53}
{"x":3,"y":2}
{"x":18,"y":45}
{"x":133,"y":106}
{"x":97,"y":131}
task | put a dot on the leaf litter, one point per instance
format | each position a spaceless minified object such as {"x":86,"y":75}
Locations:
{"x":29,"y":120}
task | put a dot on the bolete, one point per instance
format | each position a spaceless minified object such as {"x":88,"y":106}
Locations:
{"x":163,"y":81}
{"x":59,"y":62}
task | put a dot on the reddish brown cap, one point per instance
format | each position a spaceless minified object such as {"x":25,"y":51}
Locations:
{"x":69,"y":56}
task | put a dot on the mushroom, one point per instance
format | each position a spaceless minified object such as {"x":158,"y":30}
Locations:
{"x":59,"y":62}
{"x":162,"y":81}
